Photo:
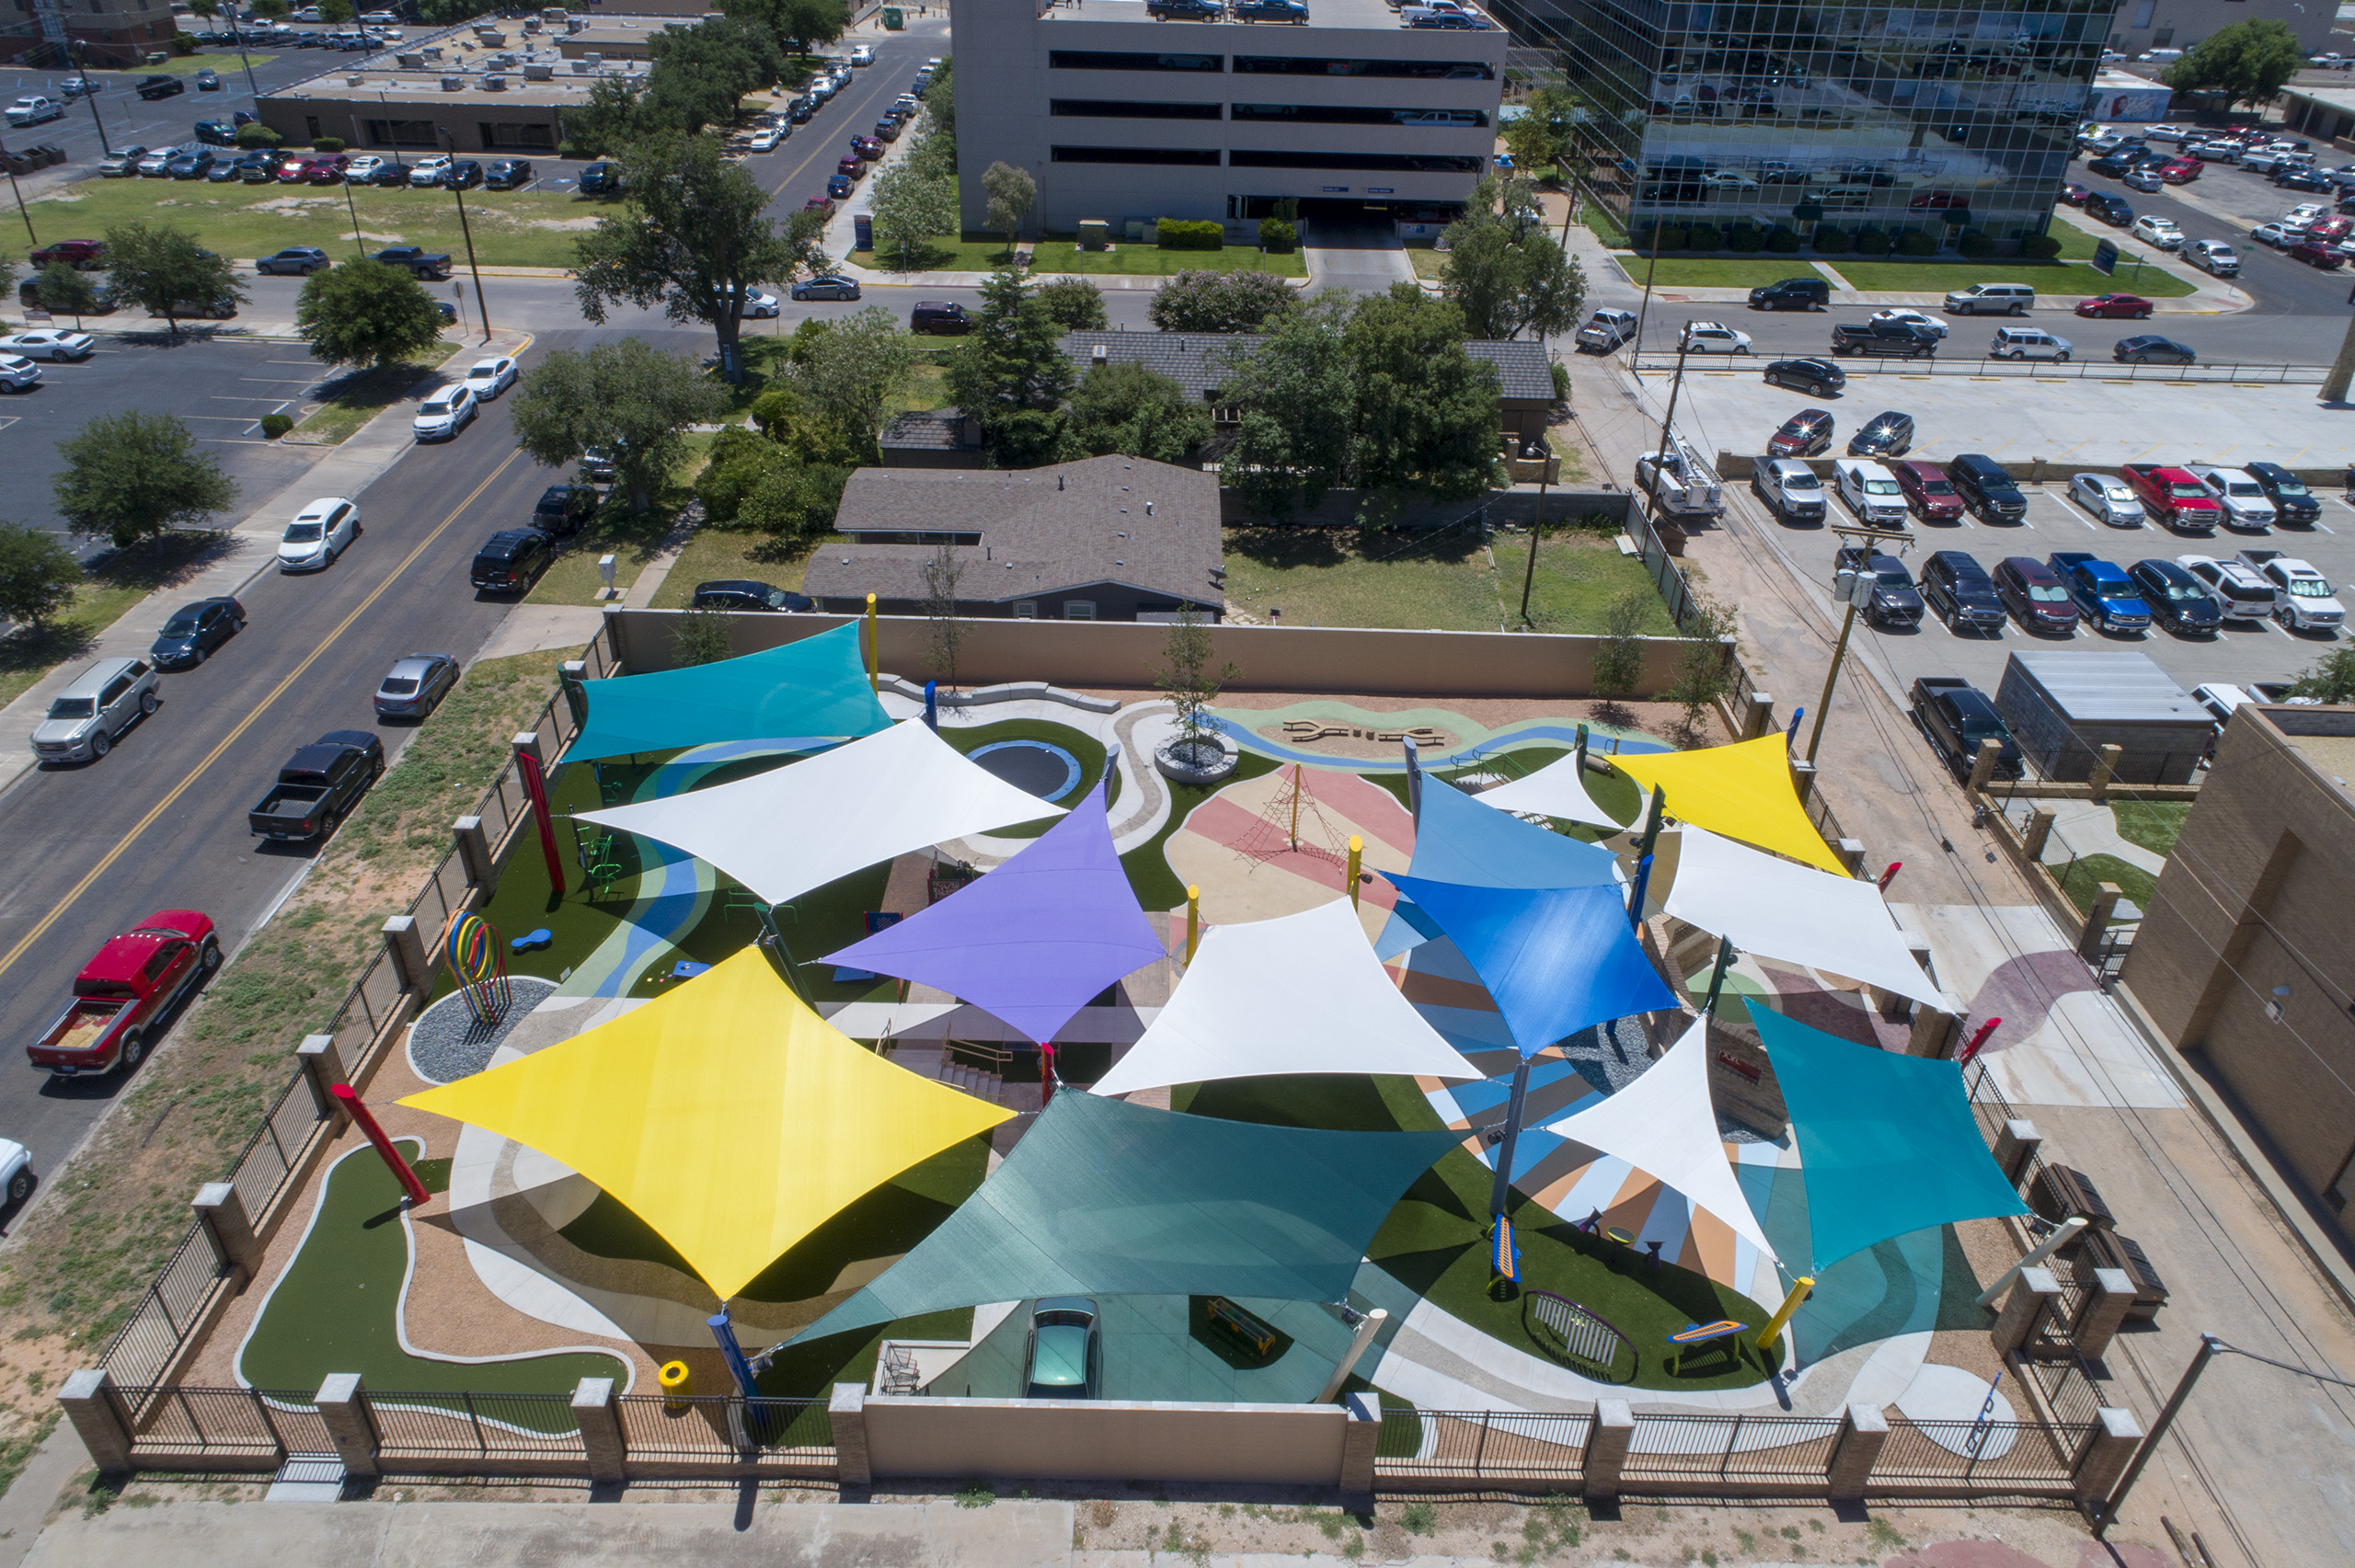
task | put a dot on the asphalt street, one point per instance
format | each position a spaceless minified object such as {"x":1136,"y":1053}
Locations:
{"x":127,"y":117}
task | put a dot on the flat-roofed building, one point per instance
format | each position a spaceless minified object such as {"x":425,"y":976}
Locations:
{"x":1123,"y":116}
{"x":512,"y":111}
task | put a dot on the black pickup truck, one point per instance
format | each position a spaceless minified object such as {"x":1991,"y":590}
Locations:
{"x":416,"y":259}
{"x":318,"y":784}
{"x":1886,"y":339}
{"x":1955,"y":717}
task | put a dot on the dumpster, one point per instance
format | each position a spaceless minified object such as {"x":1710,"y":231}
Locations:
{"x":894,"y":19}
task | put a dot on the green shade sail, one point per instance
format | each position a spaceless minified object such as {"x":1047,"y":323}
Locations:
{"x":1887,"y":1144}
{"x":812,"y":690}
{"x":1106,"y":1199}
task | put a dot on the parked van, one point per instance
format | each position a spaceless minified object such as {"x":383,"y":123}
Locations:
{"x":1991,"y":299}
{"x":2028,"y":343}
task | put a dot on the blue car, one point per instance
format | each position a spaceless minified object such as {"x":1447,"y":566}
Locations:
{"x":2103,"y":593}
{"x":838,"y":185}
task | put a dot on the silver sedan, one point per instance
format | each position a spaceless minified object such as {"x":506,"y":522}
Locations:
{"x":416,"y":685}
{"x":2107,"y":500}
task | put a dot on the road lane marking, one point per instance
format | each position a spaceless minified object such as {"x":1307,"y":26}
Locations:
{"x":40,"y":929}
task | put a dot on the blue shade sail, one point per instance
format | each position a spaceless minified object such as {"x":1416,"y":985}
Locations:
{"x":815,"y":688}
{"x":1459,"y":839}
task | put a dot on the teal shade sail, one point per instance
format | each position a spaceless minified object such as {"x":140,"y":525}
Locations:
{"x":1106,"y":1199}
{"x":1459,"y":839}
{"x":1888,"y":1145}
{"x":812,"y":690}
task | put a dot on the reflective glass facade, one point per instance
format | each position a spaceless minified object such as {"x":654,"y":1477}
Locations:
{"x":1931,"y":119}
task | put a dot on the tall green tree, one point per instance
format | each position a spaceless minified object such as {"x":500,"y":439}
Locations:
{"x":807,"y":23}
{"x":1198,"y":300}
{"x":1297,"y":437}
{"x":271,"y":10}
{"x":1012,"y":194}
{"x":1076,"y":304}
{"x":2332,"y":678}
{"x":365,"y":312}
{"x":164,"y":269}
{"x":692,"y":236}
{"x":624,"y":398}
{"x":1542,"y":135}
{"x":2248,"y":62}
{"x":910,"y":207}
{"x":1426,"y":411}
{"x":702,"y":72}
{"x":38,"y":575}
{"x":64,"y":288}
{"x":1128,"y":408}
{"x":1011,"y":373}
{"x":798,"y":501}
{"x":941,"y":101}
{"x":846,"y":371}
{"x":1506,"y":272}
{"x":337,"y":12}
{"x":130,"y":476}
{"x":614,"y":116}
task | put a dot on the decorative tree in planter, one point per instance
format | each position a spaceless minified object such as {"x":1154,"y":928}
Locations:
{"x":1192,"y":685}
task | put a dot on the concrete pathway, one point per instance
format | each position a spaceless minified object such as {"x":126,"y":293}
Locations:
{"x":2086,"y":826}
{"x":1365,"y":257}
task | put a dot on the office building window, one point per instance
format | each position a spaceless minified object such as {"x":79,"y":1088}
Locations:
{"x":2143,"y":12}
{"x":1121,"y":109}
{"x":1198,"y":156}
{"x":401,"y":133}
{"x":2162,"y":37}
{"x":538,"y":137}
{"x":1346,"y":114}
{"x":1105,"y":60}
{"x":1403,"y":162}
{"x":1319,"y":65}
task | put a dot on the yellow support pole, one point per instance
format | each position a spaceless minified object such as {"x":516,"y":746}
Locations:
{"x":1356,"y":852}
{"x":1193,"y":920}
{"x":1295,"y":806}
{"x":1799,"y":1291}
{"x":874,"y":676}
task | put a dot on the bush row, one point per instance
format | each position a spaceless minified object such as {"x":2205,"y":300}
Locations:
{"x":1829,"y":239}
{"x":1190,"y":234}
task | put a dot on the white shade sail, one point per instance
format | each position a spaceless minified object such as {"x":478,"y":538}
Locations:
{"x":1558,"y":789}
{"x":1303,"y":994}
{"x":1664,"y":1124}
{"x":799,"y":827}
{"x":1778,"y":909}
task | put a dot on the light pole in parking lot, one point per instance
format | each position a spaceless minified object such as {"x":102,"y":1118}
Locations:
{"x":481,"y":309}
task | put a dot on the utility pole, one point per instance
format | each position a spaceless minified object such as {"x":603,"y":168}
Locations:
{"x":1839,"y":651}
{"x":82,"y":59}
{"x":20,"y":198}
{"x":1644,"y":311}
{"x":481,"y":308}
{"x":1537,"y":527}
{"x":1668,"y":420}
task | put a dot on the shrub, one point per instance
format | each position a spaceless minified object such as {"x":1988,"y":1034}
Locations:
{"x":1278,"y":237}
{"x":1671,"y":238}
{"x":183,"y":44}
{"x":1913,"y":242}
{"x":256,"y":134}
{"x":1871,"y":241}
{"x":1741,"y":237}
{"x":1703,"y":236}
{"x":1783,"y":242}
{"x":1561,"y":381}
{"x":1975,"y":245}
{"x":276,"y":425}
{"x":2040,"y":248}
{"x":1188,"y":233}
{"x":1830,"y":241}
{"x":1640,"y":241}
{"x":328,"y":144}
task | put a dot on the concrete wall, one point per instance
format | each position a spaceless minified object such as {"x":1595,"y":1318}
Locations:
{"x":2255,"y":896}
{"x":1087,"y":1440}
{"x":1271,"y":659}
{"x":1339,"y":508}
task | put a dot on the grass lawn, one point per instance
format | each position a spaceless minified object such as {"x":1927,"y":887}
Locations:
{"x":2153,"y":824}
{"x":712,"y":552}
{"x":1580,"y":574}
{"x":765,"y":355}
{"x":2084,"y":879}
{"x":1428,"y":258}
{"x":115,"y":583}
{"x":525,"y":228}
{"x":968,"y":736}
{"x":1705,"y":272}
{"x":634,"y":537}
{"x":363,"y":395}
{"x":1130,"y":255}
{"x":972,"y":253}
{"x":1340,"y":577}
{"x":2059,"y":278}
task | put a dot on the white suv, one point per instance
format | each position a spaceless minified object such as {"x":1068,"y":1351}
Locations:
{"x":2244,"y":500}
{"x":2306,"y":603}
{"x":2161,"y":232}
{"x":1715,"y":338}
{"x":2029,"y":343}
{"x":2238,"y":591}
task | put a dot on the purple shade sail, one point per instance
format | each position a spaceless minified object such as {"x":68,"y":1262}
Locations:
{"x":1033,"y":941}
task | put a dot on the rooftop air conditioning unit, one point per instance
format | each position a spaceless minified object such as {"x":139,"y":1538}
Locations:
{"x":592,"y":60}
{"x":453,"y":84}
{"x":538,"y":73}
{"x":494,"y":83}
{"x":579,"y":67}
{"x":412,"y":62}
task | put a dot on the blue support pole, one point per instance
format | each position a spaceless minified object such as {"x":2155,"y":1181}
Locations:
{"x":1502,"y":1186}
{"x":732,"y":1353}
{"x":1644,"y":856}
{"x":1413,"y":778}
{"x":931,"y":707}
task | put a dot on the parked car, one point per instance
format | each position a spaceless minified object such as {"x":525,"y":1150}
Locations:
{"x":464,"y":173}
{"x":2032,"y":591}
{"x":1715,"y":338}
{"x":839,"y":186}
{"x":508,"y":174}
{"x":1894,"y":601}
{"x":2115,"y":307}
{"x":1805,"y":434}
{"x":2152,"y":350}
{"x":122,"y":163}
{"x":2274,"y":234}
{"x":415,"y":686}
{"x":512,"y":560}
{"x":85,"y":718}
{"x":1063,"y":1355}
{"x":2107,"y":500}
{"x":2293,"y":504}
{"x":2029,"y":343}
{"x":2154,"y":229}
{"x":300,"y":260}
{"x":488,"y":378}
{"x":1789,"y":488}
{"x":2176,"y":599}
{"x":319,"y":786}
{"x":2214,"y":257}
{"x":193,"y":631}
{"x":432,"y":170}
{"x":2303,"y":600}
{"x":1887,"y":434}
{"x":18,"y":374}
{"x":1995,"y":299}
{"x":2110,"y":209}
{"x":443,"y":414}
{"x":2173,"y":496}
{"x":1820,"y":377}
{"x":563,"y":510}
{"x":2240,"y":499}
{"x":830,"y":287}
{"x":2239,"y":592}
{"x":126,"y":994}
{"x":1792,"y":293}
{"x":2317,"y":255}
{"x":1884,"y":339}
{"x":733,"y":593}
{"x":940,"y":316}
{"x":44,"y":343}
{"x":154,"y":87}
{"x":1957,"y":587}
{"x":1956,"y":718}
{"x":1870,"y":492}
{"x":1929,"y":495}
{"x":322,"y":530}
{"x":190,"y":166}
{"x":2103,"y":594}
{"x":1604,"y":330}
{"x":33,"y":110}
{"x":392,"y":173}
{"x":361,"y":169}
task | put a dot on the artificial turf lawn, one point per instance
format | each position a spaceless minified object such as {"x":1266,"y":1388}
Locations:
{"x":1150,"y":878}
{"x":1433,"y":1242}
{"x":2082,"y":879}
{"x":336,"y":1308}
{"x":2153,"y":824}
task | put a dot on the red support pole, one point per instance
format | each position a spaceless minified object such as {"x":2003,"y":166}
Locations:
{"x":367,"y":1120}
{"x":1977,"y":1038}
{"x":535,"y":785}
{"x":1890,"y":875}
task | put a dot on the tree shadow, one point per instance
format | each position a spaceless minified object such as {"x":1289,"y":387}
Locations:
{"x":167,"y":561}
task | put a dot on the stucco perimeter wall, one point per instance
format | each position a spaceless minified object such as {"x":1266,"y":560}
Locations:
{"x":1100,"y":1440}
{"x":1268,"y":658}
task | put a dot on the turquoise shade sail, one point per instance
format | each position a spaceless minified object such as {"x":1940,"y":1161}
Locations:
{"x":1554,"y":960}
{"x":1459,"y":839}
{"x":812,"y":690}
{"x":1106,"y":1199}
{"x":1887,"y":1144}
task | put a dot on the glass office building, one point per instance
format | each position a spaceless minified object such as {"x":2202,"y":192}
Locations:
{"x":1938,"y":121}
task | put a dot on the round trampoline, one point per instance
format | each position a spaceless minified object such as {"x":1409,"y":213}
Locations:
{"x":1046,"y":771}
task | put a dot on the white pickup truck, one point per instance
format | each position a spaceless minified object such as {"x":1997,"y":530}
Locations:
{"x":1680,"y":482}
{"x":2305,"y":602}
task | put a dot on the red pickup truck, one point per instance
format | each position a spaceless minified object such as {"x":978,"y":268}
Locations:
{"x":2173,"y":497}
{"x":123,"y":995}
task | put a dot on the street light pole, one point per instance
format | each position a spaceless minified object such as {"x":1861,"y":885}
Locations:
{"x":481,"y":308}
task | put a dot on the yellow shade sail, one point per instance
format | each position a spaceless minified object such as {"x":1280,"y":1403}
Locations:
{"x":726,"y":1115}
{"x":1743,"y":792}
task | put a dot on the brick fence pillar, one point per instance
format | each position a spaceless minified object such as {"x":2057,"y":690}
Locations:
{"x":473,"y":854}
{"x":1359,"y":1441}
{"x":600,"y":1429}
{"x":2039,"y":829}
{"x":2105,"y":770}
{"x":2097,"y":919}
{"x":2035,"y":1297}
{"x":846,"y":1408}
{"x":2109,"y":1449}
{"x":1606,"y":1448}
{"x":91,"y":1403}
{"x":1863,"y":1430}
{"x":224,"y":1215}
{"x":406,"y":947}
{"x":2015,"y":1148}
{"x":322,"y":1065}
{"x":343,"y":1410}
{"x":1982,"y":766}
{"x":1934,"y":1034}
{"x":2105,"y":1312}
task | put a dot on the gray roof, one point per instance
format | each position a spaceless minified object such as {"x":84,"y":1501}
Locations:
{"x":2111,"y":688}
{"x":934,"y":429}
{"x":1195,"y":360}
{"x":1065,"y":525}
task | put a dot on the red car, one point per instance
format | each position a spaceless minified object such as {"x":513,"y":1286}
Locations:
{"x":327,"y":168}
{"x":2074,"y":195}
{"x":1804,"y":434}
{"x":1927,"y":491}
{"x":2181,"y":171}
{"x":2321,"y":257}
{"x":850,"y":168}
{"x":2130,"y":307}
{"x":2330,"y":231}
{"x":83,"y":254}
{"x":866,"y":147}
{"x":123,"y":996}
{"x":821,"y":205}
{"x":1935,"y":199}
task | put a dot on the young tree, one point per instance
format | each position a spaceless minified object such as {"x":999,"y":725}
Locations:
{"x":1298,"y":393}
{"x":38,"y":575}
{"x":1012,"y":194}
{"x":1076,"y":304}
{"x":624,"y":398}
{"x":1619,"y":652}
{"x":130,"y":476}
{"x":847,"y":371}
{"x":271,"y":10}
{"x":1201,"y":301}
{"x":910,"y":209}
{"x":204,"y":10}
{"x":2332,"y":679}
{"x":365,"y":312}
{"x":941,"y":101}
{"x":2248,"y":62}
{"x":337,"y":12}
{"x":1186,"y":674}
{"x":1128,"y":408}
{"x":1705,"y":665}
{"x":1542,"y":135}
{"x":805,"y":433}
{"x":62,"y":287}
{"x":1426,"y":411}
{"x":164,"y":270}
{"x":738,"y":461}
{"x":692,"y":236}
{"x":941,"y":574}
{"x":700,"y":636}
{"x":1011,"y":373}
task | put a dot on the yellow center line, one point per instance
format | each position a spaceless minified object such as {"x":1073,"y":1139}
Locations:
{"x":123,"y":843}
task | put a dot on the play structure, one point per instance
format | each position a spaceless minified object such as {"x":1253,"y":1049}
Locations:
{"x":479,"y":966}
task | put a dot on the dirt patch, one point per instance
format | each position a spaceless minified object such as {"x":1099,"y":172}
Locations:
{"x":283,"y":204}
{"x":567,"y":224}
